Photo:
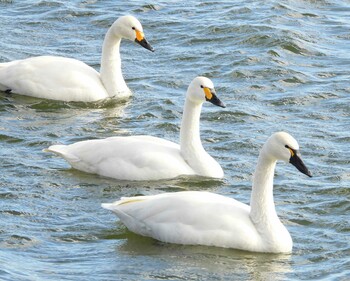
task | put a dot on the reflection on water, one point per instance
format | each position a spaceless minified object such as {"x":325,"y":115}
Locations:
{"x":216,"y":261}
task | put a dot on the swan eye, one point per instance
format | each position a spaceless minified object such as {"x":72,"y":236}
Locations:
{"x":292,"y":151}
{"x":133,"y":28}
{"x":202,"y":86}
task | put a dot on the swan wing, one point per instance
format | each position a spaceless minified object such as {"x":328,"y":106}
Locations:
{"x":52,"y":77}
{"x":126,"y":158}
{"x":190,"y":217}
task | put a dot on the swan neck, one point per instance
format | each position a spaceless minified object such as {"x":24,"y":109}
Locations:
{"x":111,"y":72}
{"x":262,"y":202}
{"x":189,"y":133}
{"x":191,"y":147}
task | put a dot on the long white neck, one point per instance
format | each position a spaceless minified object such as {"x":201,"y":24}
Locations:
{"x":262,"y":204}
{"x":190,"y":143}
{"x":274,"y":236}
{"x":111,"y":72}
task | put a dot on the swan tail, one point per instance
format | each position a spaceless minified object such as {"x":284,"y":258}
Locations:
{"x":133,"y":223}
{"x":108,"y":206}
{"x":4,"y":65}
{"x":61,"y":150}
{"x":3,"y":86}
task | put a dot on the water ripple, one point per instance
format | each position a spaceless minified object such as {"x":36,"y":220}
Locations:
{"x":277,"y":65}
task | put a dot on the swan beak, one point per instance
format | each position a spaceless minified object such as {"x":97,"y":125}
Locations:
{"x":210,"y":96}
{"x":296,"y":161}
{"x":140,"y":39}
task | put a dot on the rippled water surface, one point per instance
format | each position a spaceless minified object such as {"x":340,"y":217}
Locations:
{"x":278,"y":65}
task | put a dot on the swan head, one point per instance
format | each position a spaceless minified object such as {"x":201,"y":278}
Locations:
{"x":282,"y":146}
{"x":202,"y":89}
{"x":129,"y":27}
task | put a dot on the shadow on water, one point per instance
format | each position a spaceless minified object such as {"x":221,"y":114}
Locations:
{"x":54,"y":105}
{"x":181,"y":183}
{"x":212,"y":260}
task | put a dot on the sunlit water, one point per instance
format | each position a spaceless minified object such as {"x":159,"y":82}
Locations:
{"x":278,"y":65}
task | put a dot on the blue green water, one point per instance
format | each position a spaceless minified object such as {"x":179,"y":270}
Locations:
{"x":278,"y":65}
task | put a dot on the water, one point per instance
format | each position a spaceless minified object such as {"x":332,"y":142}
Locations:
{"x":278,"y":65}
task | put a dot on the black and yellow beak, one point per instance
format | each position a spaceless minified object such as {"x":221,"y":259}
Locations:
{"x":296,"y":161}
{"x":210,"y":96}
{"x":140,"y":39}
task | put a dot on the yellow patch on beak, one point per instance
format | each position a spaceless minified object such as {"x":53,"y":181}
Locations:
{"x":208,"y":93}
{"x":291,"y":152}
{"x":139,"y":35}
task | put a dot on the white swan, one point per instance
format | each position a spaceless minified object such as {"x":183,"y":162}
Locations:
{"x":147,"y":157}
{"x":66,"y":79}
{"x":195,"y":217}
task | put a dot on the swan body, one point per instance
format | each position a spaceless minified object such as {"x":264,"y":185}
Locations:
{"x":67,"y":79}
{"x":111,"y":157}
{"x":147,"y":157}
{"x":204,"y":218}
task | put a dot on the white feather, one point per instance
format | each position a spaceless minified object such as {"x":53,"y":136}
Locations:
{"x":147,"y":157}
{"x":204,"y":218}
{"x":67,"y":79}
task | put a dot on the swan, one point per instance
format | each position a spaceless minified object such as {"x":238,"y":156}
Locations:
{"x":150,"y":158}
{"x":67,"y":79}
{"x":204,"y":218}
